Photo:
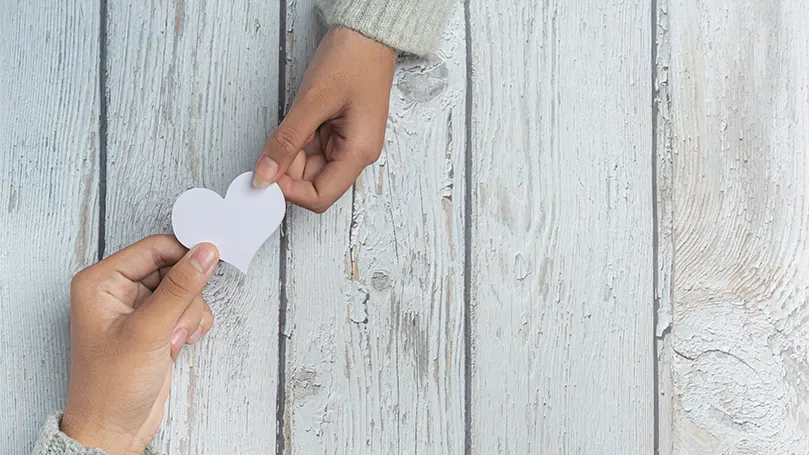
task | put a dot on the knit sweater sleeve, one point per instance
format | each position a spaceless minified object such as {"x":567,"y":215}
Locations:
{"x":53,"y":442}
{"x":412,"y":26}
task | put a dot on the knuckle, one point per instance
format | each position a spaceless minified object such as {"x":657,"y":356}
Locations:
{"x":83,"y":284}
{"x":158,"y":244}
{"x":79,"y":280}
{"x":156,"y":238}
{"x":365,"y":153}
{"x":371,"y":154}
{"x":319,"y":207}
{"x":176,"y":285}
{"x":159,"y":241}
{"x":284,"y":140}
{"x":156,"y":259}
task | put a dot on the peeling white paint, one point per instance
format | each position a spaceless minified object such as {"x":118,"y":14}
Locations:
{"x":192,"y":99}
{"x":388,"y":288}
{"x":735,"y":128}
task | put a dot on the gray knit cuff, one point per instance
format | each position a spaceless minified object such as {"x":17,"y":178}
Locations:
{"x":53,"y":442}
{"x":412,"y":26}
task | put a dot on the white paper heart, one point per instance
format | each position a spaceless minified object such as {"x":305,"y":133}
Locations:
{"x":238,"y":224}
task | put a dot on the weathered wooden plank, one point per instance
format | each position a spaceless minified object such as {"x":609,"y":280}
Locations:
{"x":316,"y":268}
{"x":562,"y":270}
{"x":664,"y":226}
{"x":739,"y":121}
{"x":375,"y":349}
{"x":192,"y":98}
{"x":48,"y":200}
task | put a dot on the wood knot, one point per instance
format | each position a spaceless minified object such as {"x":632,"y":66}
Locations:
{"x":422,"y":84}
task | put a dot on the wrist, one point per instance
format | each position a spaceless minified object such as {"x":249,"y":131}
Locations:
{"x":92,"y":433}
{"x":344,"y":35}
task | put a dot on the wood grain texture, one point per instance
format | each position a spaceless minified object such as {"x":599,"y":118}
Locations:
{"x":316,"y":267}
{"x":48,"y":200}
{"x":562,"y":269}
{"x":664,"y":199}
{"x":375,"y":291}
{"x":739,"y":121}
{"x":192,"y":98}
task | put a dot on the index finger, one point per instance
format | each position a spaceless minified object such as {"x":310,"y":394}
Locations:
{"x":141,"y":259}
{"x":319,"y":194}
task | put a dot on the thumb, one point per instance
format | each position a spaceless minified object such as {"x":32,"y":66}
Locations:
{"x":178,"y":290}
{"x":302,"y":121}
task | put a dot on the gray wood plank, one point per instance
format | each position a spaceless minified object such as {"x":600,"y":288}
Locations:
{"x":375,"y":350}
{"x":739,"y":125}
{"x":562,"y":270}
{"x":192,"y":98}
{"x":48,"y":200}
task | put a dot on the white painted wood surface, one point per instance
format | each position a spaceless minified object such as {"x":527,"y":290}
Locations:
{"x":664,"y":213}
{"x":48,"y":201}
{"x":738,"y":118}
{"x":375,"y":349}
{"x":316,"y":266}
{"x":562,"y":271}
{"x":193,"y":92}
{"x":566,"y":268}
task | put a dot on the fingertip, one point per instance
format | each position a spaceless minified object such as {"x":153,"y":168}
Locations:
{"x":207,"y":320}
{"x":195,"y":336}
{"x":265,"y":173}
{"x":212,"y":247}
{"x":204,"y":257}
{"x":259,"y":183}
{"x":178,"y":339}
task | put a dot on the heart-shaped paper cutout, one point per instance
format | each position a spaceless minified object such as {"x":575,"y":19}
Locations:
{"x":238,"y":224}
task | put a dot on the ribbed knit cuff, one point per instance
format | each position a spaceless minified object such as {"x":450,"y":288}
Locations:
{"x":412,"y":26}
{"x":53,"y":442}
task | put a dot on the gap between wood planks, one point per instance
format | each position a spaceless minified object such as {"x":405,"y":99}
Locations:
{"x":280,"y":396}
{"x":467,"y":229}
{"x":102,"y":127}
{"x":655,"y":226}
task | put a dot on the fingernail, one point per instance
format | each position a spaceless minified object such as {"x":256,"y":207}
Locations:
{"x":178,"y":338}
{"x":203,"y":258}
{"x":265,"y":172}
{"x":196,"y":336}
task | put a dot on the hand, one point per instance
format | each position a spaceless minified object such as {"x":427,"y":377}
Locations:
{"x":336,"y":125}
{"x":130,"y":315}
